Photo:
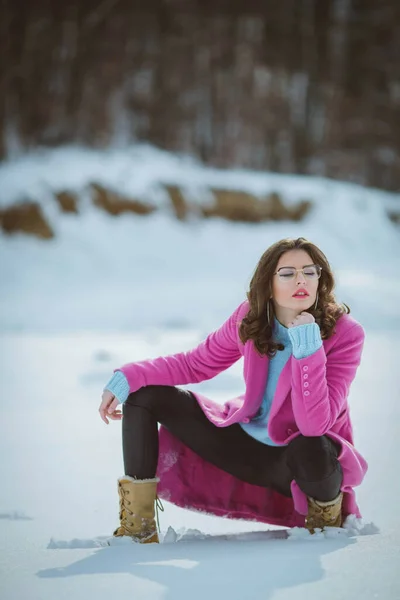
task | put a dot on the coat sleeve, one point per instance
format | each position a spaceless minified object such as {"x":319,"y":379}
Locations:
{"x":321,"y":383}
{"x":215,"y":354}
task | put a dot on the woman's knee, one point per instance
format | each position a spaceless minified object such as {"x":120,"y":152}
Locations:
{"x":312,"y":458}
{"x":151,"y":397}
{"x":145,"y":397}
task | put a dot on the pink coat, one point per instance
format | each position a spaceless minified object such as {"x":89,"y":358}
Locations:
{"x":317,"y":409}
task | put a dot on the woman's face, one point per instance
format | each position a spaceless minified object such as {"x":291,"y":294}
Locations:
{"x":284,"y":290}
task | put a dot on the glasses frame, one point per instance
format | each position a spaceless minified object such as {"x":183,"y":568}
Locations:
{"x":319,"y":271}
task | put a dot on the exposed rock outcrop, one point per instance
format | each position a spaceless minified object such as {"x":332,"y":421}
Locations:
{"x":179,"y":204}
{"x":241,"y":206}
{"x":67,"y":201}
{"x":115,"y":204}
{"x":26,"y":217}
{"x":232,"y":205}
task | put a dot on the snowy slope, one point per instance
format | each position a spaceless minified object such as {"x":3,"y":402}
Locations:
{"x":110,"y":290}
{"x":101,"y":271}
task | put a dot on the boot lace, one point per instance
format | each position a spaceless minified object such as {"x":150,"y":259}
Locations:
{"x":124,"y":510}
{"x":123,"y":505}
{"x":159,"y":506}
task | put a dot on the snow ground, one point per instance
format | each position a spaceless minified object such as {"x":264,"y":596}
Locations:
{"x":59,"y":469}
{"x":106,"y":291}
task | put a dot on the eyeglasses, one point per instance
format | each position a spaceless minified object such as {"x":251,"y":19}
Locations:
{"x":309,"y":271}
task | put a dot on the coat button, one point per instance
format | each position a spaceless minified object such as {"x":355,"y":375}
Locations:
{"x":305,"y":376}
{"x":306,"y":384}
{"x":305,"y":368}
{"x":306,"y":393}
{"x":289,"y":431}
{"x":246,"y":420}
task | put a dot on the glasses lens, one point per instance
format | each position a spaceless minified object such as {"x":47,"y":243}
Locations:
{"x":287,"y":273}
{"x":311,"y":272}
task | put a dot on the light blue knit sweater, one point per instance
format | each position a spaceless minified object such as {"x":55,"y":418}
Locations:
{"x":301,"y":341}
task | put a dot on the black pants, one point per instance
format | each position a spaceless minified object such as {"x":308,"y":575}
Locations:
{"x":311,"y":461}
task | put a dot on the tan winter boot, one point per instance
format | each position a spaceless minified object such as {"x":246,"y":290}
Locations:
{"x":324,"y":514}
{"x":136,"y":509}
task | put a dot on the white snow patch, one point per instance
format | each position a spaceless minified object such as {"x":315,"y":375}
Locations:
{"x":352,"y":527}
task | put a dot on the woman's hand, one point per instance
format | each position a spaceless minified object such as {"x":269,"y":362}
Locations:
{"x":108,"y":407}
{"x":302,"y":319}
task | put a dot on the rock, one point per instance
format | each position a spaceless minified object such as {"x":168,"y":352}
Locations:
{"x":241,"y":206}
{"x":67,"y":201}
{"x":234,"y":206}
{"x":178,"y":202}
{"x":26,"y":217}
{"x":116,"y":204}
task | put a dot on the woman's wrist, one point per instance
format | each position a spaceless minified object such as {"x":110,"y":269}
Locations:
{"x":118,"y":385}
{"x":306,"y":339}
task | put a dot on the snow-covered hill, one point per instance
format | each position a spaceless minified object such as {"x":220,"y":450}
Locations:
{"x":133,"y":272}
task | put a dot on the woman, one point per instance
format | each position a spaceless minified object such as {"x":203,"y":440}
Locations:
{"x":281,"y":453}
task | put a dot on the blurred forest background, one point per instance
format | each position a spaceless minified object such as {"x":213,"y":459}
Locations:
{"x":291,"y":86}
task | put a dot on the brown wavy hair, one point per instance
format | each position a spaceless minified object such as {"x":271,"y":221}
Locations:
{"x":255,"y":325}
